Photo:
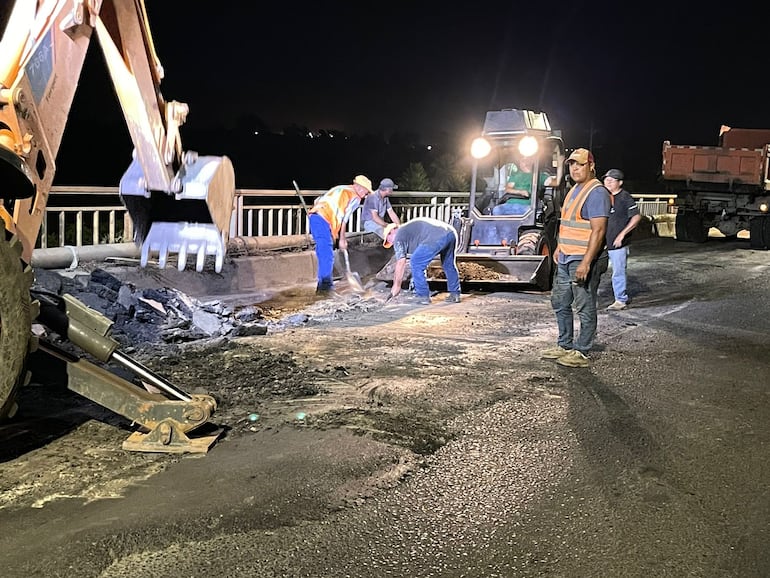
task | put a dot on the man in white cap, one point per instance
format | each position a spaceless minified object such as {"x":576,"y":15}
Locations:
{"x":580,"y":260}
{"x":328,"y":219}
{"x":423,"y":239}
{"x":377,"y":206}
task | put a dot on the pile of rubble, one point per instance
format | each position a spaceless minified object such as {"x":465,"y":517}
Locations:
{"x":146,"y":318}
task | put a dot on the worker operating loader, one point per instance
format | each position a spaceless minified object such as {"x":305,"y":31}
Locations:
{"x":423,"y":239}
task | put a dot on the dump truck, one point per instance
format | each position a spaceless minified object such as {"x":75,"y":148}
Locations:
{"x":180,"y":203}
{"x":723,"y":186}
{"x":507,"y":234}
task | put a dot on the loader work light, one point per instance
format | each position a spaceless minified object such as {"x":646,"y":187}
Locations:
{"x":528,"y":146}
{"x":480,"y":148}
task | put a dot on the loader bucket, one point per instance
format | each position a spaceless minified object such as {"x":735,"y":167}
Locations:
{"x":479,"y":270}
{"x":194,"y":221}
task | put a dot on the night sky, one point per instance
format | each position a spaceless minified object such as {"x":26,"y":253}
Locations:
{"x":617,"y":77}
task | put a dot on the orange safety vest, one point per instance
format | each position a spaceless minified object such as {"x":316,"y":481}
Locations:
{"x":336,"y":206}
{"x":574,"y":230}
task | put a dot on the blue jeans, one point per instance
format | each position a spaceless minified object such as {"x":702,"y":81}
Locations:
{"x":372,"y":227}
{"x":618,"y":260}
{"x":510,"y":209}
{"x":566,"y":293}
{"x":324,"y":249}
{"x":422,"y":257}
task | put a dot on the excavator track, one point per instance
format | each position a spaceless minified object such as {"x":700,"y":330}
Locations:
{"x":16,"y":315}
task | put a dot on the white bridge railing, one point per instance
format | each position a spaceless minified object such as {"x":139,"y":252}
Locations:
{"x":80,"y":216}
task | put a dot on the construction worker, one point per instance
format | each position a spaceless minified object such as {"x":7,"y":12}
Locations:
{"x":328,"y":219}
{"x":581,"y":241}
{"x":377,"y":206}
{"x":624,"y":217}
{"x":423,"y":239}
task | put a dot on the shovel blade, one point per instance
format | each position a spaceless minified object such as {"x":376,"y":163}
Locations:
{"x":352,"y":278}
{"x":355,"y":282}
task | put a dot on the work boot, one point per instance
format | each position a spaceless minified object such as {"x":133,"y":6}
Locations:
{"x":616,"y":306}
{"x":421,"y":299}
{"x":554,"y":352}
{"x":573,"y":359}
{"x":453,"y":298}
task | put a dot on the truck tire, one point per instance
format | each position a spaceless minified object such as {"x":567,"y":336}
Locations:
{"x":15,"y":324}
{"x":536,"y":243}
{"x":691,"y":227}
{"x":759,"y":233}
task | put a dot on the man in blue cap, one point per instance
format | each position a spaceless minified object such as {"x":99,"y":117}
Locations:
{"x":377,"y":206}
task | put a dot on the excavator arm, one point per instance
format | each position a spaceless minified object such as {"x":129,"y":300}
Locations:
{"x":179,"y":202}
{"x":41,"y":57}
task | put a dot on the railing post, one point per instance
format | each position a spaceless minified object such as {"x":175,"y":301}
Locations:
{"x":44,"y":233}
{"x":95,"y":231}
{"x":79,"y":229}
{"x":128,"y":227}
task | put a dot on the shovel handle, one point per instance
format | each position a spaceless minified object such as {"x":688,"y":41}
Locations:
{"x":299,"y":194}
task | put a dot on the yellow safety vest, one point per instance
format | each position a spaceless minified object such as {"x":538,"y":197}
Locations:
{"x":574,"y":230}
{"x":336,"y":206}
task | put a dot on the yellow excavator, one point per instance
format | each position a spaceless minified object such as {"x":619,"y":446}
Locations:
{"x":179,"y":202}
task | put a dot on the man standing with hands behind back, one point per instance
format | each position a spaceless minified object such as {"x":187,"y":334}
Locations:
{"x":624,"y":217}
{"x":582,"y":231}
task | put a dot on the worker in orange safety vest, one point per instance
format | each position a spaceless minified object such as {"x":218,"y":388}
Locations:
{"x":328,"y":220}
{"x":580,"y":259}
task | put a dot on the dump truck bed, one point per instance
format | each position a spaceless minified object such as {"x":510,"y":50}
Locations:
{"x":722,"y":165}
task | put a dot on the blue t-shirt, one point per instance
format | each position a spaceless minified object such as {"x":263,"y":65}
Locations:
{"x":419,"y":231}
{"x":597,"y":205}
{"x":375,"y":202}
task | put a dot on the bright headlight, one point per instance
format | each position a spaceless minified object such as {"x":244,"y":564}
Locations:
{"x":528,"y":146}
{"x":480,"y":148}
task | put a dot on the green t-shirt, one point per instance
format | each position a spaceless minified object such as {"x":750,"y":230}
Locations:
{"x":522,"y":181}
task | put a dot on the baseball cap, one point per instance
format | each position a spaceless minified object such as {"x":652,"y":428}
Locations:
{"x":581,"y":156}
{"x":364,"y":182}
{"x":388,"y":184}
{"x":616,"y":174}
{"x":388,"y":228}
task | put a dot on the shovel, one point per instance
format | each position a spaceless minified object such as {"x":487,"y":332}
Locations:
{"x":353,"y":278}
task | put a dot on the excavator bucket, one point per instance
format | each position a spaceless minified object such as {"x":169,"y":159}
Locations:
{"x":194,"y":221}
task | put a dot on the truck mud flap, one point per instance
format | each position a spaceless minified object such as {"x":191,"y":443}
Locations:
{"x":480,"y":270}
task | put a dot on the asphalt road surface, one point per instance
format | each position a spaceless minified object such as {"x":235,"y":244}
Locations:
{"x":442,"y":445}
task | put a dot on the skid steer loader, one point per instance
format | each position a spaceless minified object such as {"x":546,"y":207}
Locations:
{"x":507,"y":234}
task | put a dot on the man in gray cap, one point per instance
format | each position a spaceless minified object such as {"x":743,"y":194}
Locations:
{"x":624,"y":217}
{"x":377,"y":206}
